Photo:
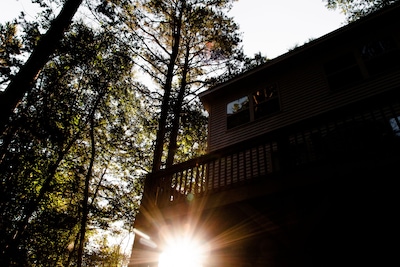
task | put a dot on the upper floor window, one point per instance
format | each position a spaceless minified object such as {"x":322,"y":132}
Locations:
{"x":266,"y":101}
{"x":343,"y":71}
{"x":258,"y":104}
{"x":371,"y":58}
{"x":380,"y":56}
{"x":238,"y":112}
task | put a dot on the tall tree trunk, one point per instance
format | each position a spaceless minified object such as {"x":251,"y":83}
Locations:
{"x":85,"y":206}
{"x":173,"y":146}
{"x":162,"y":123}
{"x":26,"y":77}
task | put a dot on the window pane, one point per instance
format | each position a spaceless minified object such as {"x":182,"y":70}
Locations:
{"x":266,"y":101}
{"x":343,"y":71}
{"x":267,"y":108}
{"x":237,"y":105}
{"x":381,"y":56}
{"x":265,"y":94}
{"x":239,"y":118}
{"x":394,"y":123}
{"x":238,"y":112}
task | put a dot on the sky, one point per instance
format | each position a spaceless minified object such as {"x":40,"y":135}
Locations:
{"x":271,"y":27}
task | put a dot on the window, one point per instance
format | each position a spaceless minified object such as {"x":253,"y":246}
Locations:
{"x":258,"y":104}
{"x":266,"y":101}
{"x":380,"y":56}
{"x":375,"y":57}
{"x":343,"y":71}
{"x":238,"y":112}
{"x":394,"y":123}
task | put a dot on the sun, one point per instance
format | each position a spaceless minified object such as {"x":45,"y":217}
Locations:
{"x":182,"y":252}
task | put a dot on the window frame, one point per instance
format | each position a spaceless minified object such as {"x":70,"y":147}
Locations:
{"x":267,"y":104}
{"x":249,"y":113}
{"x":380,"y":55}
{"x":365,"y":60}
{"x":343,"y":71}
{"x":240,"y":116}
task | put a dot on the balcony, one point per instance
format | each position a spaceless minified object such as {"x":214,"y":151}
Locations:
{"x":365,"y":135}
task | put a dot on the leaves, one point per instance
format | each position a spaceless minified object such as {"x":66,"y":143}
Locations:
{"x":10,"y":48}
{"x":355,"y":9}
{"x":45,"y":154}
{"x":89,"y":118}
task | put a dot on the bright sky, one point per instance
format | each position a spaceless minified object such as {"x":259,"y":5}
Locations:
{"x":271,"y":27}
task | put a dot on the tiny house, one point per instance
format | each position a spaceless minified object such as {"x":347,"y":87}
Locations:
{"x":301,"y":166}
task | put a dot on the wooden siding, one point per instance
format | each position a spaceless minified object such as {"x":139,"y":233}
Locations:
{"x":304,"y":92}
{"x":303,"y":86}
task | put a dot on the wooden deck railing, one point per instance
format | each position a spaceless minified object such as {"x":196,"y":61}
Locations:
{"x":334,"y":137}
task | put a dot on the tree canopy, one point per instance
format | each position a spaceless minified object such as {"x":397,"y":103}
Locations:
{"x":68,"y":158}
{"x":27,"y":74}
{"x":80,"y":135}
{"x":179,"y":45}
{"x":355,"y":9}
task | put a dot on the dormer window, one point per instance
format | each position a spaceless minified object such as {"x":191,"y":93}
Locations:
{"x":258,"y":104}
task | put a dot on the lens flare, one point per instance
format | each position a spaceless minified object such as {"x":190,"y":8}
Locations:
{"x":182,"y":253}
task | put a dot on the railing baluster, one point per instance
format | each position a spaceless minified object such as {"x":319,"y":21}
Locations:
{"x":206,"y":170}
{"x":221,"y":178}
{"x":192,"y":180}
{"x":243,"y":165}
{"x":196,"y":180}
{"x":258,"y":161}
{"x":231,"y":168}
{"x":225,"y":171}
{"x":182,"y":178}
{"x":251,"y":163}
{"x":213,"y":175}
{"x":238,"y":166}
{"x":267,"y":157}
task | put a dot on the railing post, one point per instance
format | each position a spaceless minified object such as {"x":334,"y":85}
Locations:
{"x":164,"y":190}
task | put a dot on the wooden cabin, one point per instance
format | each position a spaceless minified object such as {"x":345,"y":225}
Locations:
{"x":302,"y":161}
